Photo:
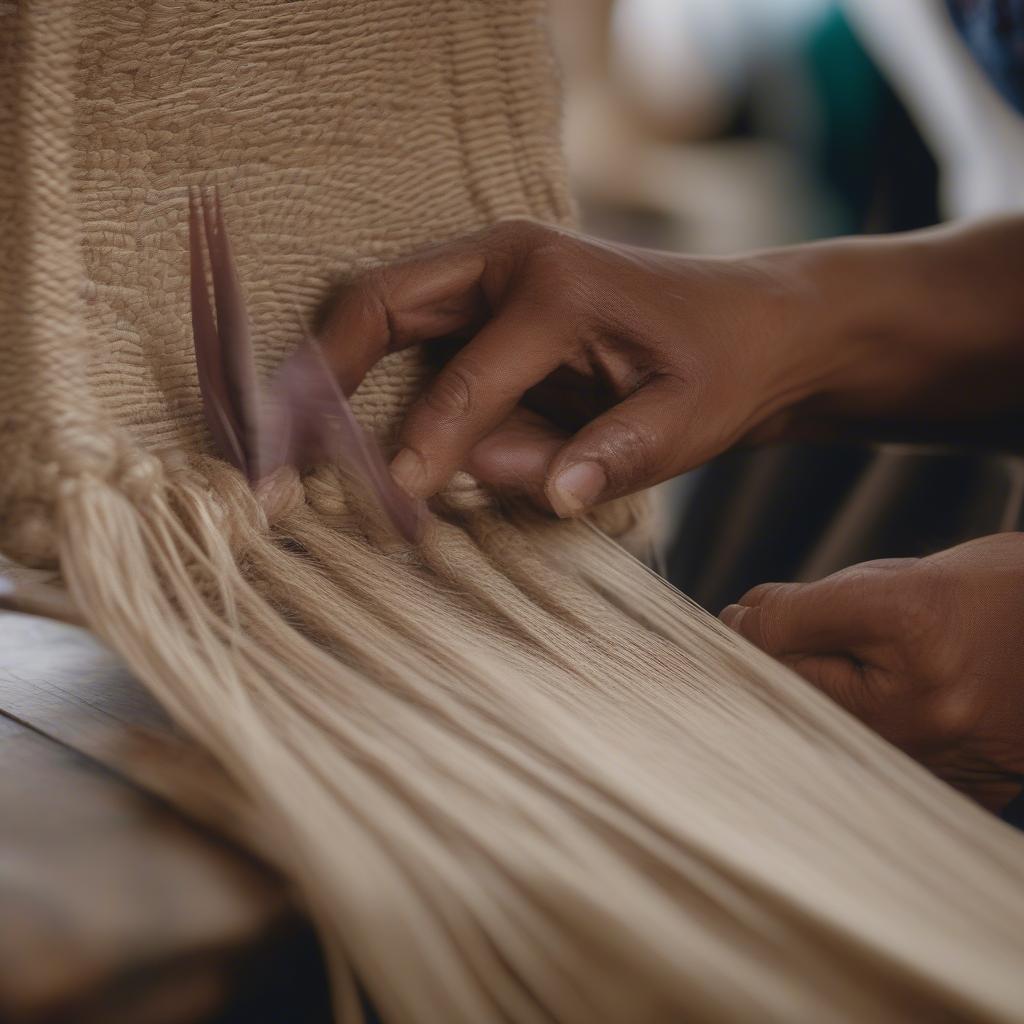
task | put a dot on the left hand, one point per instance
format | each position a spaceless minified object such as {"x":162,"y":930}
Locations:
{"x":928,"y":652}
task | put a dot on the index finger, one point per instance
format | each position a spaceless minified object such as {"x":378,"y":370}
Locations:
{"x":844,"y":613}
{"x":475,"y":392}
{"x":403,"y":304}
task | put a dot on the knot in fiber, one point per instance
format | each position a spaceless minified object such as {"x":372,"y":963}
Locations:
{"x":465,"y":494}
{"x":229,"y":499}
{"x":139,"y":474}
{"x":627,"y":519}
{"x":279,"y":494}
{"x":327,"y":494}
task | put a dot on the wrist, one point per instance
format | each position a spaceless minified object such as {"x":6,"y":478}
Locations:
{"x":907,"y":327}
{"x":927,"y":325}
{"x":822,"y":319}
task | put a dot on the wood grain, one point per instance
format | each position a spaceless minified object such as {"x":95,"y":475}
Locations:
{"x":114,"y":907}
{"x":63,"y":683}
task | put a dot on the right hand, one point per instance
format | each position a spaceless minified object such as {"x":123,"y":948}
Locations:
{"x":592,"y":370}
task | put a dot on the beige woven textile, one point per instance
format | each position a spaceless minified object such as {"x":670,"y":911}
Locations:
{"x":338,"y":133}
{"x":512,"y":775}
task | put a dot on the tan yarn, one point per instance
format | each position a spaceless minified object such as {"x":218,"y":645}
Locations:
{"x":512,"y":775}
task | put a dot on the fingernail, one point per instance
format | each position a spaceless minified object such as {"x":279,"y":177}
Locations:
{"x":410,"y":473}
{"x":732,"y":615}
{"x":574,"y":489}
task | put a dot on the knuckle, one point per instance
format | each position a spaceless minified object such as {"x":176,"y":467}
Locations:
{"x":371,"y":285}
{"x":759,"y":593}
{"x":366,"y":289}
{"x":550,"y":269}
{"x":771,"y":618}
{"x":451,"y":394}
{"x":633,"y":450}
{"x":365,"y":299}
{"x":515,"y":233}
{"x":549,"y":248}
{"x":906,"y":594}
{"x":370,"y":293}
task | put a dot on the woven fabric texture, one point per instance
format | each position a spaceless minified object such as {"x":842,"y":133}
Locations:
{"x":339,"y":134}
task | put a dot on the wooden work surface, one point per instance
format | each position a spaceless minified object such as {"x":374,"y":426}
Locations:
{"x":114,"y":907}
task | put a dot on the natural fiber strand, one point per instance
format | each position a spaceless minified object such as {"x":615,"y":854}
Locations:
{"x":487,"y":837}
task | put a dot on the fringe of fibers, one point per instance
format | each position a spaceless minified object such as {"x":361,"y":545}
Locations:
{"x":514,"y":777}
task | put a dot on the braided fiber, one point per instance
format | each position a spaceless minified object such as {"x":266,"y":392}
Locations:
{"x":511,"y":775}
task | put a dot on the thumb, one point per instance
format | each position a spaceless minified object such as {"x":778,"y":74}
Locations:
{"x":625,"y":449}
{"x":514,"y":457}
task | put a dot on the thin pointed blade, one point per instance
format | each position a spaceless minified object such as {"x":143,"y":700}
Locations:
{"x":217,"y":402}
{"x":319,"y":426}
{"x":238,"y":360}
{"x":407,"y":514}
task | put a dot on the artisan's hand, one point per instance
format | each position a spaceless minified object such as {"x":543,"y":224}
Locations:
{"x":592,"y":370}
{"x":929,"y":652}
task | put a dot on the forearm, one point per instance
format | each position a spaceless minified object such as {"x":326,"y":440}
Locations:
{"x":921,"y":334}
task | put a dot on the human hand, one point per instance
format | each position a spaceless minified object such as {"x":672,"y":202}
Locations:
{"x":928,"y":652}
{"x":592,"y":370}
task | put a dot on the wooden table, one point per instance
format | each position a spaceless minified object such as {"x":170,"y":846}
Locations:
{"x":114,"y":907}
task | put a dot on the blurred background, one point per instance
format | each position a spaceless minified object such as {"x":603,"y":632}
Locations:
{"x":718,"y":126}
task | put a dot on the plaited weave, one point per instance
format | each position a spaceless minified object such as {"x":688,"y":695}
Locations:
{"x":339,"y":134}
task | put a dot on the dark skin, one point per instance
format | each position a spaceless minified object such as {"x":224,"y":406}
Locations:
{"x":586,"y":371}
